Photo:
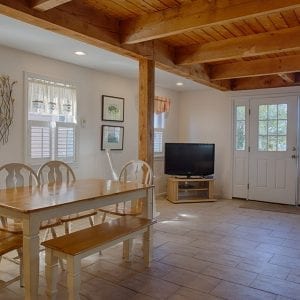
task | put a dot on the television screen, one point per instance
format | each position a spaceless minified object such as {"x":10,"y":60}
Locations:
{"x":189,"y":159}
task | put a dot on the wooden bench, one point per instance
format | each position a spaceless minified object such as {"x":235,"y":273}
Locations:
{"x":77,"y":245}
{"x":8,"y":242}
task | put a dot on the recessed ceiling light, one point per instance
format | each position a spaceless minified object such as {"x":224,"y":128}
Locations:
{"x":179,"y":83}
{"x":80,"y":53}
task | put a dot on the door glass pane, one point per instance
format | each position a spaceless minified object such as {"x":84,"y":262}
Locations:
{"x":281,"y":145}
{"x":272,"y":111}
{"x":282,"y":127}
{"x":263,"y":112}
{"x":263,"y":143}
{"x":240,"y":113}
{"x":282,"y":111}
{"x":263,"y":128}
{"x":272,"y":143}
{"x":272,"y":127}
{"x":240,"y":128}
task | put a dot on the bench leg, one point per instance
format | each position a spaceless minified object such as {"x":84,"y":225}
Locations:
{"x":73,"y":277}
{"x":147,"y":246}
{"x":51,"y":274}
{"x":127,"y":250}
{"x":20,"y":254}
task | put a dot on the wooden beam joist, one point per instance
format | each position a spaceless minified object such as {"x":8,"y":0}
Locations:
{"x":245,"y":46}
{"x":198,"y":14}
{"x":43,"y":5}
{"x":260,"y":67}
{"x":289,"y":78}
{"x":263,"y":82}
{"x":104,"y":34}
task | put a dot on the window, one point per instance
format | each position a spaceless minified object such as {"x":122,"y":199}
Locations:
{"x":159,"y":125}
{"x":240,"y":127}
{"x":51,"y":120}
{"x":272,"y":127}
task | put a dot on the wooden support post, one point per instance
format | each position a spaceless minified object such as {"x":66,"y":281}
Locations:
{"x":146,"y":110}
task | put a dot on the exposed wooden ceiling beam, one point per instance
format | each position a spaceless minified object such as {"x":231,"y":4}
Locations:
{"x":104,"y":35}
{"x":245,"y":46}
{"x":197,"y":14}
{"x":43,"y":5}
{"x":260,"y":67}
{"x":263,"y":82}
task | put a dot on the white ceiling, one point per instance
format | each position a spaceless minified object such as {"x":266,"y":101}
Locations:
{"x":22,"y":36}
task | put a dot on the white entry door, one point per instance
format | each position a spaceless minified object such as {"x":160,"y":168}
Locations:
{"x":273,"y":150}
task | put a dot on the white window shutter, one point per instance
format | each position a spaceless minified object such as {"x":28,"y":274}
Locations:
{"x":158,"y":141}
{"x":65,"y":141}
{"x":40,"y":138}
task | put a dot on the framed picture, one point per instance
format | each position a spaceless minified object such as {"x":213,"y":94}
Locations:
{"x":112,"y":108}
{"x":112,"y":137}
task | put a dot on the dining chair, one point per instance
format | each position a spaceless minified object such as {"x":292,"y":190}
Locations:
{"x":9,"y":242}
{"x":14,"y":175}
{"x":137,"y":171}
{"x":57,"y":172}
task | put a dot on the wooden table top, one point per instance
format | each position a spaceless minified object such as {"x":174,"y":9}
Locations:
{"x":29,"y":199}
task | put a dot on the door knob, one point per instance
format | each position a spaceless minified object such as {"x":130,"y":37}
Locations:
{"x":294,"y":156}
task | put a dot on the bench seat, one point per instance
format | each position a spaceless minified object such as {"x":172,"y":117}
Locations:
{"x":79,"y":244}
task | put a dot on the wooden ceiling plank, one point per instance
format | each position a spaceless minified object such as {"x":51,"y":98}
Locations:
{"x":267,"y":66}
{"x":78,"y":27}
{"x":266,"y":23}
{"x":43,"y":5}
{"x":198,"y":14}
{"x":255,"y":25}
{"x":244,"y":27}
{"x":278,"y":21}
{"x":246,"y":46}
{"x":263,"y":82}
{"x":233,"y":29}
{"x":290,"y":18}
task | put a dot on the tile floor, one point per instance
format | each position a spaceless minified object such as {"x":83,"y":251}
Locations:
{"x":201,"y":251}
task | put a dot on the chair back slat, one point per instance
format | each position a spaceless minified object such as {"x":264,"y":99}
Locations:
{"x":137,"y":171}
{"x":17,"y":175}
{"x":56,"y":172}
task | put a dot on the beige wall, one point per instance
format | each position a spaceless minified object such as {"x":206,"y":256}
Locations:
{"x":171,"y":135}
{"x":205,"y":117}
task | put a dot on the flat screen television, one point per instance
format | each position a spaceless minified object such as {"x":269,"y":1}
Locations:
{"x":189,"y":159}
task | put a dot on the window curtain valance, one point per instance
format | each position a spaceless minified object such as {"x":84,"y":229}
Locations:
{"x":161,"y":104}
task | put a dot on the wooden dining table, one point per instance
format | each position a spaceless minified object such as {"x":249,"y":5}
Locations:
{"x":32,"y":205}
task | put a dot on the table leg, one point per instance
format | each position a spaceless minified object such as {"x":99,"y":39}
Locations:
{"x":31,"y":243}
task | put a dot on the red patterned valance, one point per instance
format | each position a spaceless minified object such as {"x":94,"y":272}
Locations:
{"x":161,"y":104}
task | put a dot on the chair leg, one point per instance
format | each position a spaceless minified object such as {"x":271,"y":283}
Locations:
{"x":67,"y":227}
{"x":54,"y":235}
{"x":51,"y":274}
{"x":103,"y":217}
{"x":73,"y":277}
{"x":20,"y":254}
{"x":91,"y":221}
{"x":46,"y":234}
{"x":127,"y":250}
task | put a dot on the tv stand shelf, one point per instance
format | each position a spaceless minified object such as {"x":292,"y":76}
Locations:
{"x":185,"y":190}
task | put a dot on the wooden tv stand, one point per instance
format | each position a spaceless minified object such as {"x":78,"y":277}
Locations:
{"x":185,"y":190}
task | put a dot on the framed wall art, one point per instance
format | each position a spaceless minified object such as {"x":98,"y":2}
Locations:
{"x":112,"y":137}
{"x":112,"y":108}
